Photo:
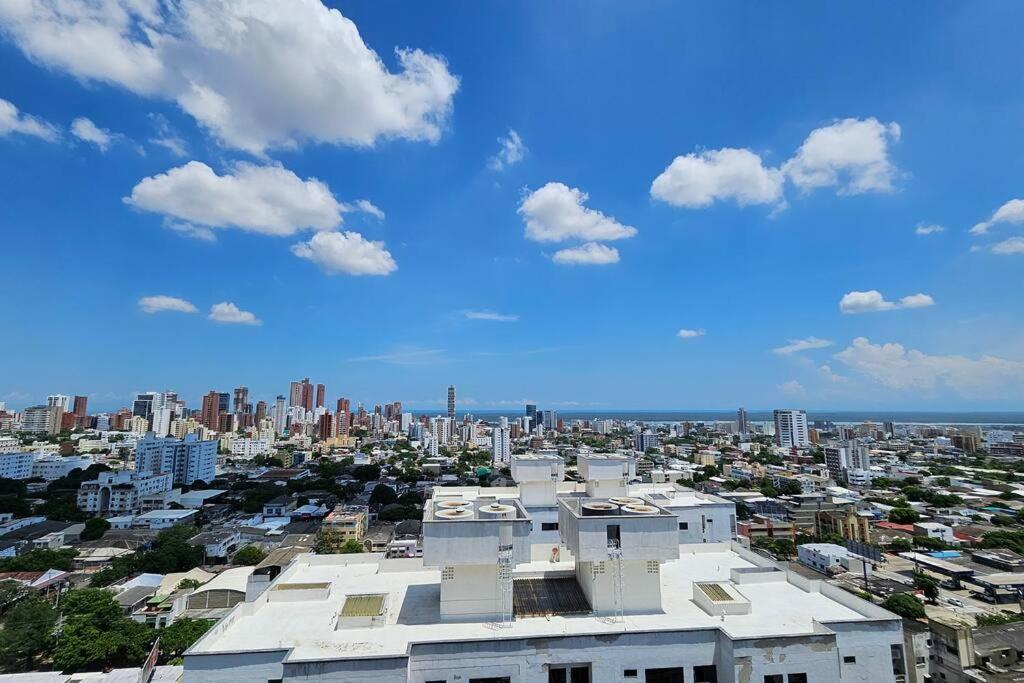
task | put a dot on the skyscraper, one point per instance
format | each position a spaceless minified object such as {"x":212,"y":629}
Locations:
{"x":501,"y":446}
{"x":261,"y":411}
{"x":741,"y":421}
{"x":342,"y":423}
{"x":209,"y":414}
{"x":295,"y":394}
{"x":791,"y":428}
{"x":80,"y":406}
{"x":59,"y":400}
{"x":280,"y":416}
{"x":241,"y":399}
{"x":307,"y":395}
{"x":321,"y":394}
{"x":531,"y":412}
{"x":451,"y":402}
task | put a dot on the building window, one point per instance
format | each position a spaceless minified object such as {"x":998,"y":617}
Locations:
{"x":613,"y":532}
{"x":549,"y":526}
{"x":705,"y":674}
{"x":569,"y":674}
{"x":849,"y":660}
{"x":629,"y":673}
{"x":668,"y":675}
{"x":684,"y":526}
{"x":773,"y":678}
{"x":797,"y":678}
{"x":495,"y":679}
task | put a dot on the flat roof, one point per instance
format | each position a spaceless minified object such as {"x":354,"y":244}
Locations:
{"x":412,"y":611}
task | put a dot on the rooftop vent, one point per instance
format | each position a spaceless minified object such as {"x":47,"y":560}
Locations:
{"x":599,"y":509}
{"x":639,"y":510}
{"x":497,"y":511}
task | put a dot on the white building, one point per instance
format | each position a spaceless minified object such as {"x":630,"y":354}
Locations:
{"x":501,"y":446}
{"x":120,"y":492}
{"x":250,"y":448}
{"x":8,"y":444}
{"x":51,"y":466}
{"x":829,"y":558}
{"x":626,"y":603}
{"x":16,"y":465}
{"x":186,"y":460}
{"x":41,"y":419}
{"x":791,"y":428}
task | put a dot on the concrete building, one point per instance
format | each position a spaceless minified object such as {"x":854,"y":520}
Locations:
{"x":501,"y":446}
{"x":186,"y":460}
{"x":42,"y":419}
{"x":791,"y":429}
{"x":16,"y":465}
{"x":829,"y":558}
{"x":350,"y":522}
{"x":120,"y":492}
{"x":625,"y":601}
{"x":50,"y":466}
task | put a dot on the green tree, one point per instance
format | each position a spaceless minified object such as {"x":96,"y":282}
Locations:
{"x":181,"y":635}
{"x":39,"y":560}
{"x":351,"y":547}
{"x":96,"y":634}
{"x":249,"y":556}
{"x":94,"y":529}
{"x":327,"y":541}
{"x":903,"y":516}
{"x":366,"y":473}
{"x":382,"y":495}
{"x":927,"y":585}
{"x":900,"y":544}
{"x":28,"y":631}
{"x":904,"y":605}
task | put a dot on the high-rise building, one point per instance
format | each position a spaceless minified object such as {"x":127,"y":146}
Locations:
{"x":42,"y":419}
{"x":210,"y":412}
{"x":549,"y":418}
{"x":531,"y":412}
{"x":142,"y":406}
{"x":295,"y":394}
{"x":441,"y":428}
{"x":81,"y":406}
{"x":280,"y":416}
{"x":321,"y":395}
{"x":791,"y":428}
{"x":187,"y":460}
{"x":241,"y":399}
{"x":59,"y":400}
{"x":501,"y":446}
{"x":451,"y":402}
{"x":325,"y":426}
{"x":307,"y":395}
{"x":343,"y":421}
{"x":742,"y":427}
{"x":261,"y":411}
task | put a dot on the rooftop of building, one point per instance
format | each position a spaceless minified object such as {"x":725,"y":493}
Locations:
{"x":282,"y":618}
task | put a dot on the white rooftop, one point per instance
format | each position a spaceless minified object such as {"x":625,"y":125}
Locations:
{"x":309,"y":629}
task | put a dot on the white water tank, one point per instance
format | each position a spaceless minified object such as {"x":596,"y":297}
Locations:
{"x":599,"y":509}
{"x":639,"y":509}
{"x":496,"y":511}
{"x":456,"y":513}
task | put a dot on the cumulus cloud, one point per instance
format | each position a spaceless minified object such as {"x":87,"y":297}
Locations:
{"x":260,"y":74}
{"x":698,"y":180}
{"x":690,"y":334}
{"x":87,"y":131}
{"x":589,"y":254}
{"x":490,"y":315}
{"x":511,"y":151}
{"x":852,"y":155}
{"x":1009,"y":246}
{"x":14,"y":121}
{"x":829,"y":375}
{"x":928,"y":229}
{"x":167,"y":137}
{"x":228,"y":313}
{"x":791,"y":388}
{"x":264,"y":199}
{"x":1012,"y":212}
{"x":798,"y":345}
{"x":872,"y":301}
{"x":896,"y":367}
{"x":366,"y":206}
{"x":555,"y":213}
{"x":158,"y":304}
{"x":346,"y":253}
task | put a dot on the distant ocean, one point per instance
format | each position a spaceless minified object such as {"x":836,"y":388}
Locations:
{"x":992,"y":418}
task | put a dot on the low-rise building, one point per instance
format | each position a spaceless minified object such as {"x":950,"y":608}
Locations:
{"x":120,"y":492}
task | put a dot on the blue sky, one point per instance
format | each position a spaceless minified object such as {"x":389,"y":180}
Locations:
{"x":798,"y":147}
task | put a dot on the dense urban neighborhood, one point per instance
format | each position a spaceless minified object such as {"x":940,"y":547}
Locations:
{"x":144,"y":535}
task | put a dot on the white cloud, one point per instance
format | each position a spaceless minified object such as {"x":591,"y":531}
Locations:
{"x":87,"y":131}
{"x":227,"y":312}
{"x":265,"y":199}
{"x":591,"y":254}
{"x":13,"y":121}
{"x":511,"y":152}
{"x":259,"y":74}
{"x":1011,"y":212}
{"x":851,"y":154}
{"x":366,"y":206}
{"x":196,"y":232}
{"x":157,"y":304}
{"x":698,"y":180}
{"x":828,"y":374}
{"x":798,"y":345}
{"x":791,"y":388}
{"x":491,"y":315}
{"x":896,"y":367}
{"x":872,"y":301}
{"x":555,"y":213}
{"x":346,"y":252}
{"x":1009,"y":246}
{"x":404,"y":356}
{"x":690,"y":334}
{"x":167,"y":137}
{"x":926,"y":229}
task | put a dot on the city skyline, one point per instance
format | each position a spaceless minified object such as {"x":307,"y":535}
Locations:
{"x":595,"y":209}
